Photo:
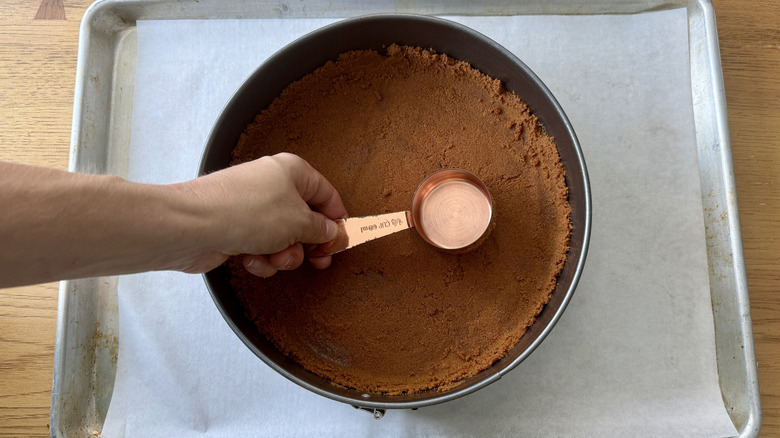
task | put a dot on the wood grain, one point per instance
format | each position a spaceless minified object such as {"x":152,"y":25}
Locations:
{"x":51,"y":10}
{"x":750,"y":53}
{"x":37,"y":75}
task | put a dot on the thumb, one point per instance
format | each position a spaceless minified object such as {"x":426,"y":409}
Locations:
{"x":318,"y":229}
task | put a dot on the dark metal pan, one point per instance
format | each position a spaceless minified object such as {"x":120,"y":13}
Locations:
{"x":376,"y":32}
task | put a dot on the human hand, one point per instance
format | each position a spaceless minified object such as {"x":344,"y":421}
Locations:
{"x":265,"y":209}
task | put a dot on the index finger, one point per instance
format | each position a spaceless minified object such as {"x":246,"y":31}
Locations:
{"x":315,"y":189}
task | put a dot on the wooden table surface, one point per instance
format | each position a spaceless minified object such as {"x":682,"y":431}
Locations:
{"x":38,"y":45}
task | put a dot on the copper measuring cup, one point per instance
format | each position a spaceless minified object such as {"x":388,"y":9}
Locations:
{"x":451,"y":210}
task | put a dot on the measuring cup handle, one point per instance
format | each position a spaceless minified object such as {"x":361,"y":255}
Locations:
{"x":356,"y":230}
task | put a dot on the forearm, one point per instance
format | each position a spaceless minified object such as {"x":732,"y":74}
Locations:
{"x":57,"y":225}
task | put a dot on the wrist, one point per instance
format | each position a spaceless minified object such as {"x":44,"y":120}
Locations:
{"x":199,"y":224}
{"x":150,"y":227}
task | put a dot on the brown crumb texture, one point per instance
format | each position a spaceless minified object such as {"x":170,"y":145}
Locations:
{"x":396,"y":315}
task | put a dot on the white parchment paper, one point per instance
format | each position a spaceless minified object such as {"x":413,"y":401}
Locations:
{"x":632,"y":356}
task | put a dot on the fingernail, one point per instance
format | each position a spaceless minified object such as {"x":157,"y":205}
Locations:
{"x":331,"y":230}
{"x":287,"y":264}
{"x":256,"y":267}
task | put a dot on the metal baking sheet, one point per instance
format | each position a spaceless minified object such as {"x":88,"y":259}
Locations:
{"x":87,"y":328}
